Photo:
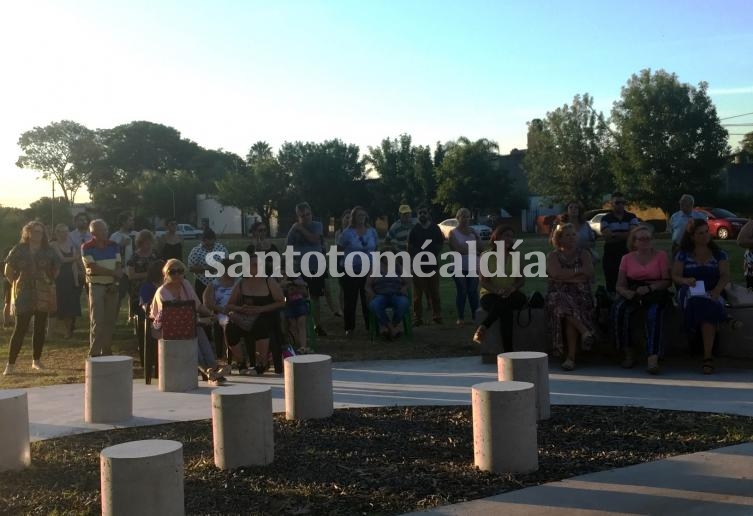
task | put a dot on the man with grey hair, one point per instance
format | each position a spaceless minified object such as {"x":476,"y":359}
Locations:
{"x":103,"y":267}
{"x":678,"y":222}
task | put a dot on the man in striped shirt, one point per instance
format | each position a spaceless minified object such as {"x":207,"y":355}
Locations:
{"x":102,"y":263}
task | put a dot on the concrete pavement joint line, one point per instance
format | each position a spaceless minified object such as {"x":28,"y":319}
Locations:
{"x":705,"y":384}
{"x":666,"y":492}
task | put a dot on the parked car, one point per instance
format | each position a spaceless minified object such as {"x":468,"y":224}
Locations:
{"x":595,"y":222}
{"x":723,"y":224}
{"x":187,"y":231}
{"x":485,"y":232}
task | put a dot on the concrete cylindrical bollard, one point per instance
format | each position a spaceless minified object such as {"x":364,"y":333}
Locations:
{"x":504,"y":427}
{"x":242,"y":426}
{"x":308,"y":387}
{"x":178,"y":365}
{"x":142,"y":477}
{"x":528,"y":366}
{"x":14,"y":429}
{"x":108,"y":396}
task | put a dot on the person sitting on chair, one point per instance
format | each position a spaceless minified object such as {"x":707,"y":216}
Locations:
{"x":388,"y":289}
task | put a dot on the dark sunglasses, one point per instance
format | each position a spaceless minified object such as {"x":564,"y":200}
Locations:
{"x":619,"y":202}
{"x":172,"y":272}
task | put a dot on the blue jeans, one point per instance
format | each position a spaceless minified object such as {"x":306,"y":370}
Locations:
{"x":399,"y":303}
{"x":466,"y":288}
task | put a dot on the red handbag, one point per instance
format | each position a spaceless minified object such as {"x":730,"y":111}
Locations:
{"x":178,"y":320}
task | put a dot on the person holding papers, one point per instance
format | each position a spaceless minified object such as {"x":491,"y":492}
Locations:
{"x":701,"y":271}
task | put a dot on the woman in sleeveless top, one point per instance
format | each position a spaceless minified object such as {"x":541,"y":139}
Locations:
{"x":67,"y":283}
{"x":171,"y":243}
{"x":216,"y":297}
{"x":569,"y":300}
{"x":642,"y":284}
{"x":466,"y":286}
{"x":701,"y":261}
{"x":261,"y":298}
{"x":177,"y":288}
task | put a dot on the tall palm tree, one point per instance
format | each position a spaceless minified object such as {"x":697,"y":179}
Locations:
{"x":260,"y":150}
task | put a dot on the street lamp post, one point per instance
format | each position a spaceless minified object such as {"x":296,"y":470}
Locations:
{"x":172,"y":192}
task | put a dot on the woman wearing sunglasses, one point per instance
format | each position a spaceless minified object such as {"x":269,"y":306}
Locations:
{"x":176,"y":287}
{"x":642,"y":284}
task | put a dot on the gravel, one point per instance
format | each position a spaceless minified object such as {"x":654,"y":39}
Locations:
{"x":368,"y":461}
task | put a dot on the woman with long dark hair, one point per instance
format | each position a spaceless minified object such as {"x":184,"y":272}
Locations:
{"x":701,"y":271}
{"x":357,"y":239}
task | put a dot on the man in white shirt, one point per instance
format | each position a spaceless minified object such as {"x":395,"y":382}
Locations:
{"x":678,"y":222}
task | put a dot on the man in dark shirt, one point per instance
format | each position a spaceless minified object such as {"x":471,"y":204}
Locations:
{"x":615,"y":227}
{"x":426,"y":230}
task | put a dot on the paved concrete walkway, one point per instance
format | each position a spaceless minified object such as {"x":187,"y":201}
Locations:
{"x":58,"y":410}
{"x":707,"y":483}
{"x":717,"y":482}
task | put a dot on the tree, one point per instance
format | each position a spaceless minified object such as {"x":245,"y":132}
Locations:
{"x":669,"y":141}
{"x":400,"y":179}
{"x":64,"y":152}
{"x":746,"y":144}
{"x":330,"y":175}
{"x":468,"y":177}
{"x":259,"y":151}
{"x":567,"y":158}
{"x":49,"y":212}
{"x":260,"y":187}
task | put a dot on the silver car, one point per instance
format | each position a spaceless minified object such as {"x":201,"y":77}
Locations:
{"x":595,"y":223}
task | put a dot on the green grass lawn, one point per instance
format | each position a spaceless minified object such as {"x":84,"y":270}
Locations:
{"x":65,"y":358}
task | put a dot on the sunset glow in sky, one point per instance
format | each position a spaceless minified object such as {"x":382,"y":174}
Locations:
{"x":229,"y":73}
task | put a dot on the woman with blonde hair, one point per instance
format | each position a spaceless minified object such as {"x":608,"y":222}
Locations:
{"x":642,"y":284}
{"x":31,"y":267}
{"x":569,"y":300}
{"x":466,"y":286}
{"x":68,"y":282}
{"x":176,"y":287}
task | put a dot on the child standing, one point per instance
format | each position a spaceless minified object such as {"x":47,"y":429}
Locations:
{"x":296,"y":310}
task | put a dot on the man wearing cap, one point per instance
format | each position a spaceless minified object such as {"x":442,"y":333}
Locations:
{"x":678,"y":222}
{"x":426,"y":231}
{"x":197,"y":260}
{"x":397,"y":236}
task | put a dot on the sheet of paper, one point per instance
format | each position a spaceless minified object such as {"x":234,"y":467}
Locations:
{"x":699,"y":289}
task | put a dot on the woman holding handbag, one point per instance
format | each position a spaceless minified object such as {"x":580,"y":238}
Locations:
{"x":176,"y":287}
{"x":31,"y":267}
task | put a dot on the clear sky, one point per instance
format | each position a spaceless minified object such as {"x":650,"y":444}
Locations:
{"x":229,"y":73}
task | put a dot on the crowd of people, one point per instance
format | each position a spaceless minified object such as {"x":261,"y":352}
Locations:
{"x":270,"y":315}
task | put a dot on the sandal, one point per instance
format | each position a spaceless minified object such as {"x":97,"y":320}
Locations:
{"x":478,"y":337}
{"x":568,"y":365}
{"x":708,"y":365}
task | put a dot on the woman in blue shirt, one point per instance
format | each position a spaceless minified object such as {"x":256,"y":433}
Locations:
{"x":359,"y":240}
{"x":701,"y":260}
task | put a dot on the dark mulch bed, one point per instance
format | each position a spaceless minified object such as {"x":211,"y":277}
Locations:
{"x":368,"y":461}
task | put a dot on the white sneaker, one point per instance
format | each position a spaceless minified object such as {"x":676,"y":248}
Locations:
{"x":37,"y":365}
{"x":9,"y":368}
